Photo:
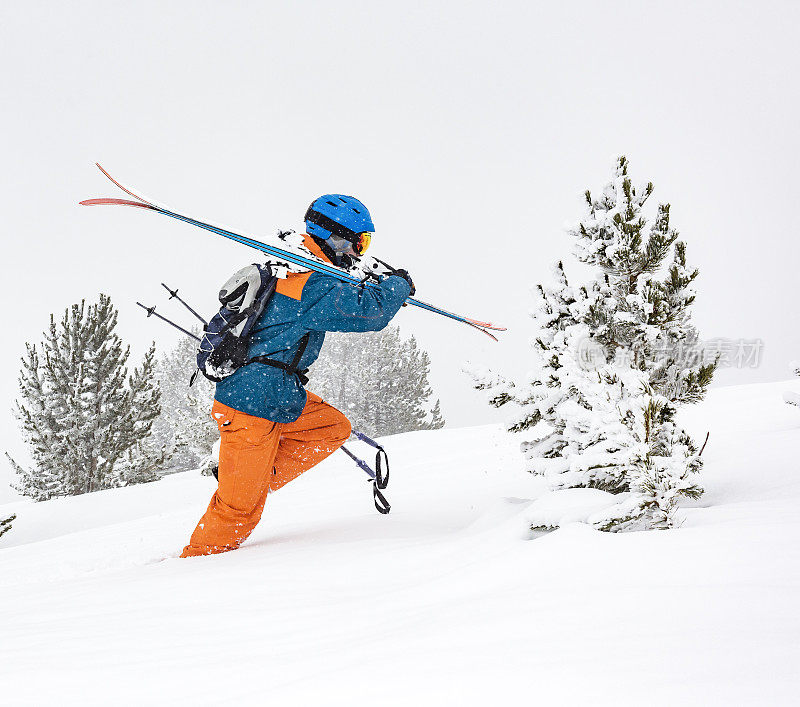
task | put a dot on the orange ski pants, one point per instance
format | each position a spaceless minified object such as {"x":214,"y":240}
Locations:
{"x":256,"y":457}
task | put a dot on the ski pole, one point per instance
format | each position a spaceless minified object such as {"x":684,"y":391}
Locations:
{"x":379,"y":482}
{"x":152,"y":311}
{"x":174,"y":293}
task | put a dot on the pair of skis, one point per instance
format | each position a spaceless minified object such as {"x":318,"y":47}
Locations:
{"x":310,"y":263}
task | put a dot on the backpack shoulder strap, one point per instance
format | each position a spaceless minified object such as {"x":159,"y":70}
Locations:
{"x":301,"y":349}
{"x":291,"y":368}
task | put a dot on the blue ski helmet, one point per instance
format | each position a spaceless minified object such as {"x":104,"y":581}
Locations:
{"x":339,"y":214}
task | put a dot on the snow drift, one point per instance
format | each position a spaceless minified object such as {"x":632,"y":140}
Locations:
{"x":449,"y":599}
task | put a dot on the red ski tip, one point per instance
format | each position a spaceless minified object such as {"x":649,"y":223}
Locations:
{"x":125,"y":189}
{"x":486,"y":325}
{"x":123,"y":202}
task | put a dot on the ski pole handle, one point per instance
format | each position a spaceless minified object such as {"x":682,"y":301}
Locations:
{"x":361,"y":436}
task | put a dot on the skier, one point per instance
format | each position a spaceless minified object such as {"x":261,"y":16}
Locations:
{"x":271,"y":428}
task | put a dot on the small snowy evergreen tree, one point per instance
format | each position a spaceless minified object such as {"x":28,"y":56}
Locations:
{"x":85,"y":422}
{"x":379,"y":380}
{"x":145,"y":458}
{"x":614,"y":359}
{"x":185,"y":425}
{"x":5,"y":524}
{"x":790,"y":396}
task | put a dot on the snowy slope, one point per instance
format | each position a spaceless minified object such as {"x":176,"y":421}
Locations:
{"x":448,"y":599}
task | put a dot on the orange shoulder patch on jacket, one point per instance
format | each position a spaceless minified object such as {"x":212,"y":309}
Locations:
{"x":293,"y":285}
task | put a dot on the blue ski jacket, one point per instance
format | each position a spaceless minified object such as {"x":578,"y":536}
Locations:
{"x":304,"y":303}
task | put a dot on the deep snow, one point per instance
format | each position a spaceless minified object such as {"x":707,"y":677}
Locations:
{"x":449,"y":599}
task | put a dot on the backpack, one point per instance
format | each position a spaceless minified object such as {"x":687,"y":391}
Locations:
{"x":223,"y":348}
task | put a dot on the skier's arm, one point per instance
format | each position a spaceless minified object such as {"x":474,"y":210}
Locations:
{"x":339,"y":306}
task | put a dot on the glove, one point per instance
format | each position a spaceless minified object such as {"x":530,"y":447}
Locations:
{"x":404,"y":274}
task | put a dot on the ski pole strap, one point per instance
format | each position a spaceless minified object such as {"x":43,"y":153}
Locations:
{"x":381,"y":459}
{"x":381,"y":504}
{"x":379,"y":481}
{"x":288,"y":367}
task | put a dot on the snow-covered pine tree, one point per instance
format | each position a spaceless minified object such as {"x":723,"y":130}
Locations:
{"x":5,"y":524}
{"x":85,"y":428}
{"x":614,"y":359}
{"x":379,"y":380}
{"x":790,"y":396}
{"x":185,"y":425}
{"x":145,"y":458}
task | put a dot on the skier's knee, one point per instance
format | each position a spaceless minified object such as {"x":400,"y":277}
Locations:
{"x":343,"y":430}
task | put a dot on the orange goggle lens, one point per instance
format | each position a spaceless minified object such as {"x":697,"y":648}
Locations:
{"x":361,"y":245}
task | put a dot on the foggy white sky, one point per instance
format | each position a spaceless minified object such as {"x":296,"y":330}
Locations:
{"x":469,"y":129}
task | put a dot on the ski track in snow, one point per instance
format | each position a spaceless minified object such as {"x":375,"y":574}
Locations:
{"x":449,"y":599}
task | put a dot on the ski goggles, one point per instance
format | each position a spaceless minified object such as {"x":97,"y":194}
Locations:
{"x":354,"y":243}
{"x":361,"y":242}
